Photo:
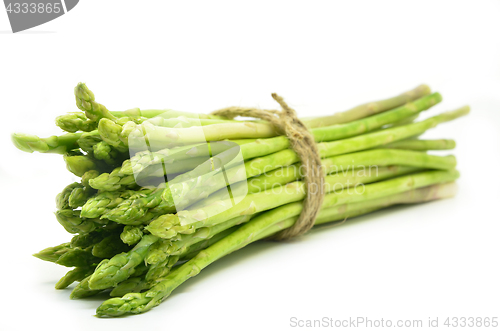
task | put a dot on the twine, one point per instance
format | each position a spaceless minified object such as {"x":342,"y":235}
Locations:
{"x":302,"y":142}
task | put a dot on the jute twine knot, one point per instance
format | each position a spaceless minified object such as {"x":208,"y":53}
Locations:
{"x":302,"y":142}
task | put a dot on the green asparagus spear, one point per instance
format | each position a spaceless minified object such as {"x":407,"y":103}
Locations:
{"x":345,"y":179}
{"x":82,"y":290}
{"x":73,"y":122}
{"x":77,"y":257}
{"x":113,"y":181}
{"x":103,"y":151}
{"x":358,"y":143}
{"x":67,"y":256}
{"x":168,"y":226}
{"x":87,"y":141}
{"x":74,"y":275}
{"x":131,"y":285}
{"x":104,"y":201}
{"x":120,"y":178}
{"x":74,"y":223}
{"x":120,"y":267}
{"x":85,"y":101}
{"x":62,"y":199}
{"x":158,"y":136}
{"x":134,"y":207}
{"x":422,"y":145}
{"x":158,"y":271}
{"x":131,"y":234}
{"x":274,"y":144}
{"x":341,"y":212}
{"x":135,"y":303}
{"x":87,"y":176}
{"x":80,"y":164}
{"x":251,"y":150}
{"x":130,"y":211}
{"x":52,"y":254}
{"x":181,"y":195}
{"x":110,"y":132}
{"x":53,"y":144}
{"x":287,"y":157}
{"x":79,"y":196}
{"x":110,"y":246}
{"x":369,"y":109}
{"x":85,"y":240}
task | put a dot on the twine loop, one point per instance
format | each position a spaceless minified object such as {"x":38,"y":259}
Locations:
{"x":302,"y":142}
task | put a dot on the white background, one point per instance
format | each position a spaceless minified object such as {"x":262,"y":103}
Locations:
{"x":434,"y":260}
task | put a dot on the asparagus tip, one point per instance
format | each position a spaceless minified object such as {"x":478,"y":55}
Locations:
{"x":29,"y":143}
{"x":424,"y":88}
{"x":83,"y":92}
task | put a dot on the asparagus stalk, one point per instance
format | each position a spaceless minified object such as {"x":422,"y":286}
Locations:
{"x":52,"y":254}
{"x":82,"y":290}
{"x":134,"y":207}
{"x":87,"y":176}
{"x":333,"y":183}
{"x":74,"y":275}
{"x":53,"y":144}
{"x":113,"y":134}
{"x":80,"y":164}
{"x":287,"y":157}
{"x":85,"y":101}
{"x":67,"y":256}
{"x":364,"y":110}
{"x":404,"y":121}
{"x":110,"y":272}
{"x":119,"y":179}
{"x":110,"y":246}
{"x":341,"y":212}
{"x":422,"y":145}
{"x":103,"y":151}
{"x":135,"y":303}
{"x":131,"y":235}
{"x":329,"y":133}
{"x":110,"y":132}
{"x":187,"y":221}
{"x":87,"y":141}
{"x":181,"y":244}
{"x":73,"y":223}
{"x":104,"y":201}
{"x":249,"y":150}
{"x":146,"y":281}
{"x":131,"y":285}
{"x":141,"y":160}
{"x":62,"y":199}
{"x":85,"y":240}
{"x":186,"y":193}
{"x":163,"y":113}
{"x":185,"y":122}
{"x":80,"y":195}
{"x":85,"y":96}
{"x":160,"y":269}
{"x":370,"y":108}
{"x":73,"y":122}
{"x":176,"y":245}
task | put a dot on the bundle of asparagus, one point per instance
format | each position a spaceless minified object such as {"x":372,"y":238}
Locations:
{"x":148,"y":216}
